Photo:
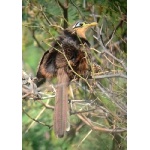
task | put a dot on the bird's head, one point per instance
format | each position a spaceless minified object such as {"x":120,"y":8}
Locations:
{"x":81,"y":27}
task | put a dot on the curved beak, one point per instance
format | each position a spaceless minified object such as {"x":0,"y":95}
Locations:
{"x":90,"y":24}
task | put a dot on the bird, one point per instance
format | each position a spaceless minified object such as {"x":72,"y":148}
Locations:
{"x":65,"y":60}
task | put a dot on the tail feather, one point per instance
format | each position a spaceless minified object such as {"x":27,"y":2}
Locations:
{"x":61,"y":103}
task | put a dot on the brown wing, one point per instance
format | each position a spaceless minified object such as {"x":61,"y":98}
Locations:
{"x":47,"y":66}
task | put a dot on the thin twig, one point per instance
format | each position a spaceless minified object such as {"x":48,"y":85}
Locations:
{"x":109,"y":76}
{"x":123,"y":108}
{"x":46,"y":105}
{"x":85,"y":137}
{"x":83,"y":18}
{"x":36,"y":120}
{"x":81,"y":112}
{"x":112,"y":34}
{"x":38,"y":43}
{"x":105,"y":50}
{"x":100,"y":41}
{"x":86,"y":121}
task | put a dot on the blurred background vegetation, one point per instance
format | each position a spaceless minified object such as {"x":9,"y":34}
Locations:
{"x":103,"y":128}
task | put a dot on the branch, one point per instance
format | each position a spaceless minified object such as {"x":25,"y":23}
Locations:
{"x":65,"y":12}
{"x":85,"y":137}
{"x":36,"y":120}
{"x":83,"y":18}
{"x":34,"y":37}
{"x":109,"y":76}
{"x":105,"y":50}
{"x":46,"y":18}
{"x":100,"y":41}
{"x":93,"y":127}
{"x":46,"y":105}
{"x":112,"y":34}
{"x":79,"y":112}
{"x":123,"y":108}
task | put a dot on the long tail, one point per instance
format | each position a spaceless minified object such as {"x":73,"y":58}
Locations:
{"x":61,"y":103}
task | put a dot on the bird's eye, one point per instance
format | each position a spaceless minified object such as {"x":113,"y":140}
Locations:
{"x":79,"y":24}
